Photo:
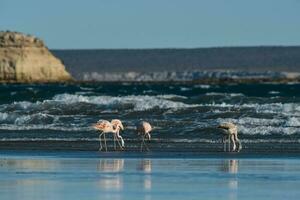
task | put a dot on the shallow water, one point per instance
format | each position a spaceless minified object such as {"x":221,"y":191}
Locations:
{"x":59,"y":175}
{"x":184,"y":116}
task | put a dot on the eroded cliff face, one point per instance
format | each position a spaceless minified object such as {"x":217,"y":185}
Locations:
{"x":25,"y":58}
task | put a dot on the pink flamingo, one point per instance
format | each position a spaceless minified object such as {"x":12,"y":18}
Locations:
{"x":113,"y":127}
{"x":231,"y":132}
{"x":143,"y":129}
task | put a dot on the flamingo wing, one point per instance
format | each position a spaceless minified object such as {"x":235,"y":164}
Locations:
{"x":143,"y":127}
{"x":147,"y":127}
{"x":227,"y":125}
{"x":102,"y":125}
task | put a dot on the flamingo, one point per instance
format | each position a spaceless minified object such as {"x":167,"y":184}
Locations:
{"x":143,"y":129}
{"x":231,"y":131}
{"x":110,"y":127}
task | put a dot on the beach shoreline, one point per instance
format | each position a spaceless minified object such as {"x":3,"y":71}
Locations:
{"x":56,"y":154}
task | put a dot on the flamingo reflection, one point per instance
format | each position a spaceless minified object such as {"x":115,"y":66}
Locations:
{"x":146,"y":167}
{"x":111,"y":167}
{"x":231,"y":167}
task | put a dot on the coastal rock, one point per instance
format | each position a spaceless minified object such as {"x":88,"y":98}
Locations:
{"x":25,"y":58}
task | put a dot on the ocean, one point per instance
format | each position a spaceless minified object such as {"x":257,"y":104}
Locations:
{"x":49,"y":150}
{"x":184,"y":116}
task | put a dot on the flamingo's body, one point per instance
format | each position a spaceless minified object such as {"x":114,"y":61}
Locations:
{"x":143,"y":129}
{"x":231,"y":132}
{"x":113,"y":127}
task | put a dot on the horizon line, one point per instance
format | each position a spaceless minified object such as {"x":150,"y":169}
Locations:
{"x":181,"y":48}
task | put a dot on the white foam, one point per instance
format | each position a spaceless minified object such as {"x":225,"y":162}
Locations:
{"x":85,"y":93}
{"x":22,"y":119}
{"x":274,"y":92}
{"x":24,"y":139}
{"x":288,"y":109}
{"x":139,"y":102}
{"x":86,"y":88}
{"x":261,"y":126}
{"x":293,"y":122}
{"x":171,"y":96}
{"x":3,"y":116}
{"x":224,"y":94}
{"x":268,"y":130}
{"x":23,"y":104}
{"x":54,"y":127}
{"x":185,"y":89}
{"x":202,"y":86}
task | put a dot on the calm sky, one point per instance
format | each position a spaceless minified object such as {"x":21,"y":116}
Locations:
{"x":85,"y":24}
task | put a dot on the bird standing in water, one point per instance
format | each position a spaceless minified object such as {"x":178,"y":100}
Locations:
{"x":231,"y":133}
{"x":113,"y":127}
{"x":143,"y":129}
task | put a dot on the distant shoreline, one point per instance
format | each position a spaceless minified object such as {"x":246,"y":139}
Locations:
{"x":175,"y":48}
{"x":202,"y":81}
{"x":180,"y":64}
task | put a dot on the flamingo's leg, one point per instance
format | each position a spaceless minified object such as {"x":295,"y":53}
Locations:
{"x":239,"y":142}
{"x":224,"y":143}
{"x":119,"y":144}
{"x":115,"y":138}
{"x":142,"y":143}
{"x":146,"y":146}
{"x":105,"y":142}
{"x":233,"y":142}
{"x":100,"y":141}
{"x":118,"y":137}
{"x":229,"y":148}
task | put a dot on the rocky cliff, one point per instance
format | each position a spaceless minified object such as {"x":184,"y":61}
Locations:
{"x":25,"y":58}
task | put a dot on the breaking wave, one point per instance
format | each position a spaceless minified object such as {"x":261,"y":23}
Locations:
{"x":260,"y":126}
{"x":224,"y":94}
{"x":183,"y":113}
{"x":139,"y":102}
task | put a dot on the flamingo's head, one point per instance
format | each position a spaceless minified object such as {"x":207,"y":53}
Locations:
{"x":121,"y":126}
{"x":117,"y":124}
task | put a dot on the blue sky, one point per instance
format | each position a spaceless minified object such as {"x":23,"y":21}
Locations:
{"x":73,"y":24}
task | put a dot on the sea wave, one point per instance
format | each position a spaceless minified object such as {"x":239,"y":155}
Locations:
{"x":36,"y":118}
{"x":138,"y":102}
{"x":75,"y":112}
{"x":260,"y":126}
{"x":289,"y":109}
{"x":70,"y":101}
{"x":202,"y":86}
{"x":224,"y":94}
{"x":53,"y":127}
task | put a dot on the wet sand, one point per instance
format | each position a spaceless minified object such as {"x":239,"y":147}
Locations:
{"x":92,"y":175}
{"x":157,"y":146}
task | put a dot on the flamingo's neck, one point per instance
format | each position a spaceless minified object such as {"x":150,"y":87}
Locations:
{"x":117,"y":129}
